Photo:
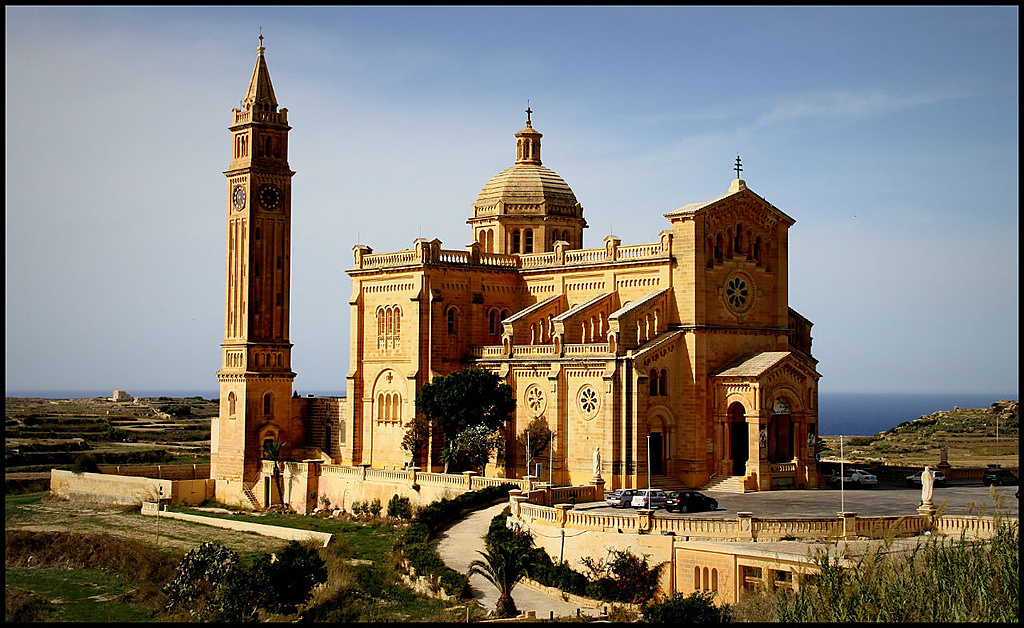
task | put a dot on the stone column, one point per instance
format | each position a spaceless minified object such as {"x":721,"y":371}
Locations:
{"x":849,"y":523}
{"x":746,"y":526}
{"x":413,"y":483}
{"x":469,"y":479}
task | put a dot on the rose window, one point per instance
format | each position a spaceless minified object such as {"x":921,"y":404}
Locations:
{"x":535,"y":400}
{"x":736,"y":293}
{"x":739,"y":293}
{"x":588,"y":402}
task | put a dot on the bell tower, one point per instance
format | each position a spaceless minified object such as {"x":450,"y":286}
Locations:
{"x":255,"y":376}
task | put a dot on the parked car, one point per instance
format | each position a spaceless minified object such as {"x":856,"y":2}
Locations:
{"x":852,"y":478}
{"x":620,"y":497}
{"x":689,"y":501}
{"x":649,"y":498}
{"x":915,"y":478}
{"x":998,"y":476}
{"x":831,"y":478}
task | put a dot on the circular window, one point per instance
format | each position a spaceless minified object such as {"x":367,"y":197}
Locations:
{"x":535,"y":400}
{"x":588,"y":402}
{"x":739,"y":292}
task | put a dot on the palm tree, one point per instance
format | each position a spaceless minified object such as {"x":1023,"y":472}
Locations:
{"x":272,"y":451}
{"x":503,"y":565}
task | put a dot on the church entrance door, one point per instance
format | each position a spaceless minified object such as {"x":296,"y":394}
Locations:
{"x":656,"y":453}
{"x":738,"y":438}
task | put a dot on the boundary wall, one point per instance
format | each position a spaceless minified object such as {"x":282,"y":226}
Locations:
{"x":279,"y":532}
{"x":128,"y":489}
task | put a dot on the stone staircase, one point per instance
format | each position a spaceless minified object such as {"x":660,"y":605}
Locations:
{"x":247,"y":491}
{"x":725,"y":484}
{"x":666,"y":483}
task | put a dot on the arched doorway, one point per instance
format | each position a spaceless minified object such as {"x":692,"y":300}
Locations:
{"x":738,"y":435}
{"x":781,"y":433}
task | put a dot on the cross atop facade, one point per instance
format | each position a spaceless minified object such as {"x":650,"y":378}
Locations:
{"x":261,"y":37}
{"x":738,"y":168}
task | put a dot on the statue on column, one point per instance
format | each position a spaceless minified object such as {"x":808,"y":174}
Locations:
{"x":597,"y":462}
{"x":927,"y":484}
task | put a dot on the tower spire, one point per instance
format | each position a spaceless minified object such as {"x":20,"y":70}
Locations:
{"x":261,"y":92}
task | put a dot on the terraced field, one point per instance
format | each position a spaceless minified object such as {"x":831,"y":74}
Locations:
{"x":43,"y":434}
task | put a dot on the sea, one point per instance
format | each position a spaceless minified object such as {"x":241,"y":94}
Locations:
{"x":847,"y":414}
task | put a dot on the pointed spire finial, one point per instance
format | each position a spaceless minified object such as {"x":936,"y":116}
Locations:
{"x":528,"y":112}
{"x":738,"y":168}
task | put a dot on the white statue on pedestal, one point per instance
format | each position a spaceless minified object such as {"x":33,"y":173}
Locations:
{"x":597,"y":462}
{"x":927,"y":483}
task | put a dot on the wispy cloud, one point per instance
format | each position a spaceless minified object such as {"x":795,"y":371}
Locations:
{"x":851,"y":104}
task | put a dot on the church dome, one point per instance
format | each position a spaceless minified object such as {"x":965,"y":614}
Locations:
{"x":527,"y":188}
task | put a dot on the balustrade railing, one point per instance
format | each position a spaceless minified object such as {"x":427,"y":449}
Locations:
{"x":592,"y":348}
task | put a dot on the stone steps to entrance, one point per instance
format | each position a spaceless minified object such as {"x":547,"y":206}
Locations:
{"x":666,"y":483}
{"x":726,"y":484}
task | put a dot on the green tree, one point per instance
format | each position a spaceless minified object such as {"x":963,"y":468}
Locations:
{"x":457,"y":402}
{"x":534,"y":439}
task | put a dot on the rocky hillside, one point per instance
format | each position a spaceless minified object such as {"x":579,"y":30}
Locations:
{"x":970,"y":435}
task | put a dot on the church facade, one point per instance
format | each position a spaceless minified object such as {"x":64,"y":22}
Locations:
{"x":680,"y":359}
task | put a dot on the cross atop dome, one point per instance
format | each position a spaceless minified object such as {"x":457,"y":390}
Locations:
{"x":528,"y":112}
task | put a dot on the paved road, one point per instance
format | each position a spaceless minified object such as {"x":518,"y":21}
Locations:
{"x":458,"y":547}
{"x":884,"y":500}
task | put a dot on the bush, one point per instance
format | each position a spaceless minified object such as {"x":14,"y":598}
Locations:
{"x":374,"y":508}
{"x":696,"y":608}
{"x":85,"y":463}
{"x":399,"y":508}
{"x":940,"y":580}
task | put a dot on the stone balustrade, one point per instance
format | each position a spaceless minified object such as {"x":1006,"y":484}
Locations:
{"x":432,"y":254}
{"x":745,"y":527}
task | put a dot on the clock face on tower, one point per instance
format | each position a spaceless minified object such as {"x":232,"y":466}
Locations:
{"x":238,"y":198}
{"x":270,"y":197}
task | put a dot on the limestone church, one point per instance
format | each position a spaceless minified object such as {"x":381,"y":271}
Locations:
{"x":680,"y":355}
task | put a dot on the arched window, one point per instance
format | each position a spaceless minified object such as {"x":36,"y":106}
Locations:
{"x":707,"y":583}
{"x":490,"y":240}
{"x":268,"y":400}
{"x":737,"y":245}
{"x":718,"y":247}
{"x":756,"y":253}
{"x":381,"y":411}
{"x":453,"y":321}
{"x":654,"y":382}
{"x":515,"y":241}
{"x":696,"y":578}
{"x":231,"y":404}
{"x":714,"y":580}
{"x":663,"y":382}
{"x":492,"y":322}
{"x":528,"y":241}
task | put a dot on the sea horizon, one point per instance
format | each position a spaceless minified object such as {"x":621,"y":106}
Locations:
{"x":839,"y":413}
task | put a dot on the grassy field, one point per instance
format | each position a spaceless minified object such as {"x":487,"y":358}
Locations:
{"x":363,"y":585}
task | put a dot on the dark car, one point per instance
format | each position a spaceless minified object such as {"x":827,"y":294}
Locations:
{"x":689,"y":501}
{"x":999,"y":477}
{"x":620,"y":497}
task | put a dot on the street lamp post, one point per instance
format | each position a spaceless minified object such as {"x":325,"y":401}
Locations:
{"x":648,"y":461}
{"x":551,"y":459}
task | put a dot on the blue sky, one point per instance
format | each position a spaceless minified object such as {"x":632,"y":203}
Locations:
{"x":889,"y":134}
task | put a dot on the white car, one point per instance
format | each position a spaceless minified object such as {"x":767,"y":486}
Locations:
{"x":649,"y":498}
{"x":859,"y":477}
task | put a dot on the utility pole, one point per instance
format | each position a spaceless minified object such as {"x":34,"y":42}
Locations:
{"x":842,"y":485}
{"x":551,"y":460}
{"x":648,"y":463}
